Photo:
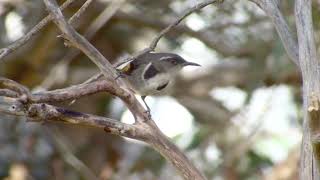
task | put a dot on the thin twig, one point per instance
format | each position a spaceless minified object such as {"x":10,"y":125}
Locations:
{"x":189,"y":11}
{"x":103,"y":18}
{"x":7,"y":50}
{"x":77,"y":15}
{"x":172,"y":25}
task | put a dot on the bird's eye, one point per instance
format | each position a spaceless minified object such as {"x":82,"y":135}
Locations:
{"x":174,"y":62}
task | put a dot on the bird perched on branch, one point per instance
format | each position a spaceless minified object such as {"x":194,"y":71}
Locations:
{"x":150,"y":73}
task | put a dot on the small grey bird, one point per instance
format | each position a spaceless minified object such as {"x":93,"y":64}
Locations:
{"x":150,"y":73}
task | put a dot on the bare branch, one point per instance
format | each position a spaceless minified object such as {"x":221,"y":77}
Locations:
{"x":7,"y":50}
{"x":44,"y":112}
{"x":155,"y":41}
{"x":147,"y":132}
{"x":80,"y":42}
{"x":271,"y":8}
{"x":189,"y":11}
{"x":65,"y":94}
{"x":14,"y":86}
{"x":77,"y":15}
{"x":310,"y":157}
{"x":103,"y":18}
{"x":78,"y":91}
{"x":205,"y":35}
{"x":167,"y":29}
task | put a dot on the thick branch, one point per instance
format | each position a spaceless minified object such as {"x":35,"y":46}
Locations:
{"x":78,"y":91}
{"x":44,"y":112}
{"x":310,"y":158}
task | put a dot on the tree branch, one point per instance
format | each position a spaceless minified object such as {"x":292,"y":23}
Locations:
{"x":80,"y":42}
{"x":204,"y":35}
{"x":43,"y":112}
{"x":271,"y":8}
{"x":144,"y":131}
{"x":189,"y":11}
{"x":7,"y":50}
{"x":310,"y":155}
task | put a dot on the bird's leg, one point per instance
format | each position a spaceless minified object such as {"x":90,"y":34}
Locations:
{"x":148,"y":109}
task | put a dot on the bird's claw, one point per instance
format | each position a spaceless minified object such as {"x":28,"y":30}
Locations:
{"x":148,"y":112}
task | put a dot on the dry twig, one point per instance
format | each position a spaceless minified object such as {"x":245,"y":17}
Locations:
{"x":7,"y":50}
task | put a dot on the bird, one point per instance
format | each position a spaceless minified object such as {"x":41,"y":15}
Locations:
{"x":150,"y":73}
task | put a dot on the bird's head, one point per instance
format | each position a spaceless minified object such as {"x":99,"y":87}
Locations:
{"x":174,"y":62}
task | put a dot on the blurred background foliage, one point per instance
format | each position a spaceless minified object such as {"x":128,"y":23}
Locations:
{"x":236,"y":117}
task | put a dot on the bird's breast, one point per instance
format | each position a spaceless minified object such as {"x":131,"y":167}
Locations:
{"x":156,"y":84}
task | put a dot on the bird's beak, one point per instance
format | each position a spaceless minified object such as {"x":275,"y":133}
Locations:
{"x":190,"y":64}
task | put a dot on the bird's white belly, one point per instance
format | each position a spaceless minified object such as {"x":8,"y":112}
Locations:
{"x":153,"y":83}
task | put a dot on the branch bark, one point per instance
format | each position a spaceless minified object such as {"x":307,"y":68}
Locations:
{"x":35,"y":110}
{"x":272,"y":10}
{"x":310,"y":154}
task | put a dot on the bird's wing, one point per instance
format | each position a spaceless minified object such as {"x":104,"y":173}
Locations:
{"x":127,"y":68}
{"x":150,"y":71}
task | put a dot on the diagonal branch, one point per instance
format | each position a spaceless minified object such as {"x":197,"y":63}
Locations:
{"x":189,"y":11}
{"x":92,"y":29}
{"x":7,"y":50}
{"x":80,"y":42}
{"x":271,"y":8}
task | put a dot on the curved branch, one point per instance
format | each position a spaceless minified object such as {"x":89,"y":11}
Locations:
{"x":75,"y":92}
{"x":271,"y":8}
